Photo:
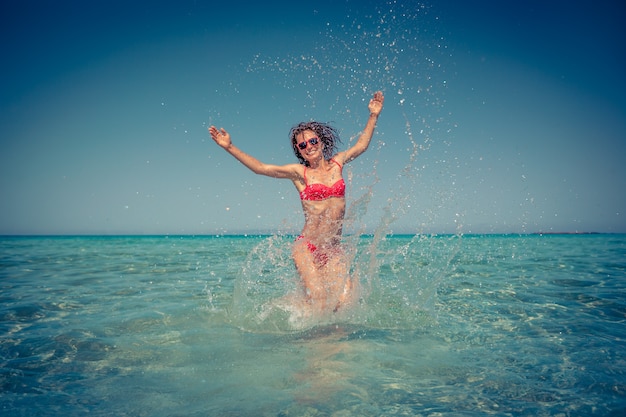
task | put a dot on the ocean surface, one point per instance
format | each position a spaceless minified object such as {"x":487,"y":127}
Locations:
{"x":504,"y":325}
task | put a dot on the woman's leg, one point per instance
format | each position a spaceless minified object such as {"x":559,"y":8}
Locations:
{"x":338,"y":280}
{"x":325,"y":275}
{"x":305,"y":259}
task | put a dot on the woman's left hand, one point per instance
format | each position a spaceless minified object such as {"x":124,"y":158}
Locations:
{"x":376,"y":103}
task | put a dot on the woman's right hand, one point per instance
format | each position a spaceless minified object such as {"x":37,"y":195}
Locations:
{"x":220,"y":136}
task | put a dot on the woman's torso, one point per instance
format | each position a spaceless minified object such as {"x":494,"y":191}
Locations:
{"x":323,"y":203}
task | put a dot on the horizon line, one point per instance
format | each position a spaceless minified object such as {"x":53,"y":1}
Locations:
{"x":264,"y":234}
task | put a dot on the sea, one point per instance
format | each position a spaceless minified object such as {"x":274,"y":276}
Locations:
{"x":443,"y":325}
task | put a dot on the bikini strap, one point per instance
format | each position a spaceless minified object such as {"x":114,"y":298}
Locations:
{"x":340,"y":167}
{"x":304,"y":175}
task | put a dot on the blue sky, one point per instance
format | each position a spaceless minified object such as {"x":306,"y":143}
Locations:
{"x":497,"y":118}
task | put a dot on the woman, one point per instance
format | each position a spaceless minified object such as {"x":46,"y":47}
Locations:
{"x":318,"y":178}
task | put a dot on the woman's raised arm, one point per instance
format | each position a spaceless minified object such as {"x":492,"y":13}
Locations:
{"x":375,"y":107}
{"x":222,"y":138}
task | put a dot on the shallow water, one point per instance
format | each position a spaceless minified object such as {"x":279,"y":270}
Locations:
{"x":448,"y":325}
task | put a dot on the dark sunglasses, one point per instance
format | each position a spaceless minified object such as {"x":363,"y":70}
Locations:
{"x":312,"y":141}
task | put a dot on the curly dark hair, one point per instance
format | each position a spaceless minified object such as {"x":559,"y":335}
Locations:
{"x":325,"y":132}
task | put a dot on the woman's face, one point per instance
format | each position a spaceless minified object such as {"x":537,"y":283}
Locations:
{"x":309,"y":145}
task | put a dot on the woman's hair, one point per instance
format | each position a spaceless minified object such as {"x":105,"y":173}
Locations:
{"x":325,"y":132}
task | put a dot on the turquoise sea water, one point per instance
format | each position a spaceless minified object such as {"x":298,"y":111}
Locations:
{"x":201,"y":326}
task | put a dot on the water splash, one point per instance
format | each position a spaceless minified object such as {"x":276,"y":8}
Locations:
{"x":397,"y":277}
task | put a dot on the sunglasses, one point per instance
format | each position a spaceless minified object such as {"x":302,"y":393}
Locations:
{"x":312,"y":141}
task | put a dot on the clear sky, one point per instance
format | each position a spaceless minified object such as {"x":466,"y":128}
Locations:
{"x":499,"y":116}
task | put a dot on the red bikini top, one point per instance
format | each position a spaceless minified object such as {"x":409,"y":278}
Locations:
{"x":317,"y":192}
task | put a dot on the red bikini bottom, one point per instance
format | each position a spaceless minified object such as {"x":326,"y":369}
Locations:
{"x":320,"y":257}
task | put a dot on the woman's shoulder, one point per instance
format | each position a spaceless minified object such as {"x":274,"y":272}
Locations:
{"x":339,"y":158}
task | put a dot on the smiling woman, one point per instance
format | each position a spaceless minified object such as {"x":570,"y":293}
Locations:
{"x":317,"y":251}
